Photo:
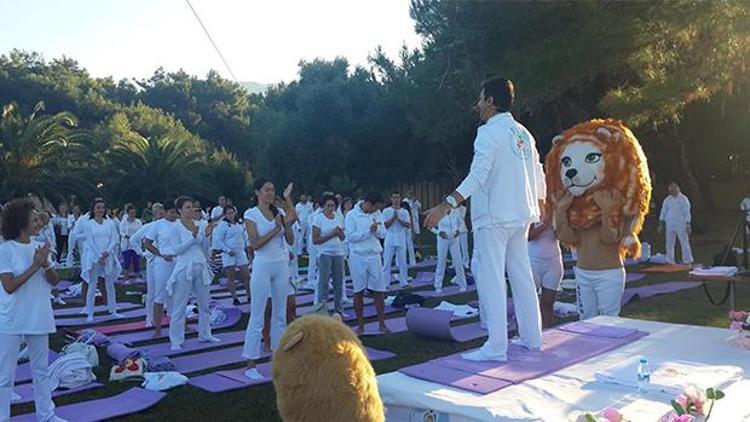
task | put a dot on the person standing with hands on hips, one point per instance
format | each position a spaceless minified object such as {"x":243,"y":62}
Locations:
{"x":506,"y":184}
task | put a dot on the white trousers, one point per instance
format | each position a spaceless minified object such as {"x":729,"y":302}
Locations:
{"x":312,"y":265}
{"x":96,"y":273}
{"x":389,"y":252}
{"x":599,"y":291}
{"x":182,"y":289}
{"x":443,"y":247}
{"x":270,"y":279}
{"x":495,"y":250}
{"x":410,"y":249}
{"x":464,"y":242}
{"x":678,"y":231}
{"x":150,"y":293}
{"x":38,"y":350}
{"x":294,"y":268}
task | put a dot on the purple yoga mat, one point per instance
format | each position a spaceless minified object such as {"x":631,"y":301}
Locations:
{"x":455,"y":378}
{"x":76,"y":311}
{"x":200,"y":361}
{"x":560,"y":349}
{"x":231,"y":338}
{"x":233,"y":317}
{"x":396,"y":325}
{"x":120,"y":352}
{"x":436,"y":323}
{"x":26,"y":391}
{"x":651,"y":290}
{"x":631,"y":277}
{"x":81,"y":321}
{"x":23,"y":371}
{"x":587,"y":328}
{"x":234,"y":379}
{"x":424,"y":277}
{"x":127,"y":403}
{"x":447,"y":291}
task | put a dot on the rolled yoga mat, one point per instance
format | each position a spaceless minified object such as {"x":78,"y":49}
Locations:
{"x":235,"y":379}
{"x":435,"y":323}
{"x":120,"y":352}
{"x":561,"y":348}
{"x":127,"y":403}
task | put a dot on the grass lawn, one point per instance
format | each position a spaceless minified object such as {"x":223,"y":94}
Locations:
{"x":258,"y":403}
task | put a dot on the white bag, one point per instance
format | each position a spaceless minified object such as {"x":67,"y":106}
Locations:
{"x":87,"y":350}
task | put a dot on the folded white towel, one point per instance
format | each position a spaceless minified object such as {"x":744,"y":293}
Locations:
{"x":715,"y":271}
{"x":459,"y":311}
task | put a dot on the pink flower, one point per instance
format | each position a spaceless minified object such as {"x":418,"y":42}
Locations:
{"x":673,"y":417}
{"x":736,"y":325}
{"x":611,"y":414}
{"x":697,"y":397}
{"x":682,"y":400}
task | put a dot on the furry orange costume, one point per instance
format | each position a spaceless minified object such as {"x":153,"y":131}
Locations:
{"x":321,"y":373}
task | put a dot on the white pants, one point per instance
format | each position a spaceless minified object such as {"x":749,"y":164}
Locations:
{"x":294,"y":268}
{"x":38,"y":350}
{"x":270,"y":279}
{"x":599,"y":291}
{"x":464,"y":242}
{"x":495,"y":250}
{"x":96,"y":272}
{"x":410,"y":249}
{"x":150,"y":293}
{"x":182,"y":289}
{"x":312,"y":265}
{"x":162,"y":271}
{"x":443,"y":247}
{"x":678,"y":231}
{"x":403,"y":270}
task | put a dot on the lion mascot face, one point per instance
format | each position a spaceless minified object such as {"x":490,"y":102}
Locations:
{"x":321,"y":373}
{"x":601,"y":154}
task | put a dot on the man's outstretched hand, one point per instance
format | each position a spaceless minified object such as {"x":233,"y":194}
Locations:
{"x":435,"y":214}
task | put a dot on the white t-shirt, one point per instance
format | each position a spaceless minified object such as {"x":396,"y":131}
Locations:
{"x":127,"y":230}
{"x":159,"y":233}
{"x":217,"y":212}
{"x":27,"y":310}
{"x":275,"y":249}
{"x":333,"y":246}
{"x":396,"y":233}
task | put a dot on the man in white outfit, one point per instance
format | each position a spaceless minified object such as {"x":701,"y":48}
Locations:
{"x":675,"y":218}
{"x":448,"y":232}
{"x":506,"y":184}
{"x":745,"y":207}
{"x":397,"y":225}
{"x":217,"y":212}
{"x":304,"y":208}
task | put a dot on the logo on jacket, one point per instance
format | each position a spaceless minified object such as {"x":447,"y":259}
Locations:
{"x":520,"y":143}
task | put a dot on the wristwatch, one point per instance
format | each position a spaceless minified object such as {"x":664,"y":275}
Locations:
{"x":451,"y":201}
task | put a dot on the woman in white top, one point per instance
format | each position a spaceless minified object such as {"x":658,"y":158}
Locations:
{"x":128,"y":227}
{"x":228,"y":239}
{"x":25,"y":311}
{"x":268,"y":228}
{"x":99,"y":262}
{"x":328,"y":238}
{"x":191,"y":274}
{"x":158,"y":241}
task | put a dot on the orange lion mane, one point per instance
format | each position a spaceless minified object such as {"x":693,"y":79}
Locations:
{"x":626,"y":171}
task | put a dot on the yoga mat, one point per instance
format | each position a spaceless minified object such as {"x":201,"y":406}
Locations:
{"x":233,"y":317}
{"x":651,"y":290}
{"x":430,"y":371}
{"x":120,"y":352}
{"x":200,"y":361}
{"x":434,"y":323}
{"x":64,"y":285}
{"x":125,"y":327}
{"x":631,"y":277}
{"x":396,"y":325}
{"x":26,"y":391}
{"x":447,"y":291}
{"x":560,"y":349}
{"x":231,"y":338}
{"x":587,"y":328}
{"x":424,"y":277}
{"x":81,"y":321}
{"x":127,"y":403}
{"x":23,"y":371}
{"x":669,"y":268}
{"x":234,"y":379}
{"x":76,"y":311}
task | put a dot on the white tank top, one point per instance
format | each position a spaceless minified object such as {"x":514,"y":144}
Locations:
{"x":275,"y":249}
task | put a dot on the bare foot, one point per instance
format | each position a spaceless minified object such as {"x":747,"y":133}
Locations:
{"x":266,"y":348}
{"x":360,"y":330}
{"x":384,"y":329}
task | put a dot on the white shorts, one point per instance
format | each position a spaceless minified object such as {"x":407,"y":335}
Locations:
{"x":238,"y":260}
{"x":547,"y":273}
{"x":162,"y":272}
{"x":366,"y":273}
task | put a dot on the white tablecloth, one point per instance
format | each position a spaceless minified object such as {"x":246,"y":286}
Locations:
{"x":563,"y":395}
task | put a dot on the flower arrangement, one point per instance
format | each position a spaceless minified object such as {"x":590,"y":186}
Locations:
{"x":692,"y":405}
{"x":740,"y":322}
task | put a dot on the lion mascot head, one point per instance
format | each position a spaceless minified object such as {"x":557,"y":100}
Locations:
{"x":321,"y":373}
{"x":601,"y":154}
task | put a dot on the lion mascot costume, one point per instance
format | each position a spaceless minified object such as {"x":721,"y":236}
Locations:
{"x":598,"y":181}
{"x":321,"y":373}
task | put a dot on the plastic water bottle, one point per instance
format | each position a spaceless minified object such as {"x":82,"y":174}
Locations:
{"x":644,"y":376}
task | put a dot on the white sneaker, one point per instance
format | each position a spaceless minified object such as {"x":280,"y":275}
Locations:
{"x":175,"y":347}
{"x":253,"y":374}
{"x":59,"y":301}
{"x":479,"y":356}
{"x":439,"y":290}
{"x":89,"y":319}
{"x":116,"y":315}
{"x":211,"y":339}
{"x":519,"y":342}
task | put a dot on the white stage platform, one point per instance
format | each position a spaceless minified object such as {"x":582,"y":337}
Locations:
{"x":565,"y":394}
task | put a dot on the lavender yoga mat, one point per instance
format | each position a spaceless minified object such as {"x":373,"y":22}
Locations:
{"x":396,"y":325}
{"x":76,"y":311}
{"x":435,"y":323}
{"x":26,"y":391}
{"x":651,"y":290}
{"x":235,"y":379}
{"x":430,"y":371}
{"x":127,"y":403}
{"x":560,"y":349}
{"x":81,"y":321}
{"x":424,"y":277}
{"x":23,"y":371}
{"x":447,"y":291}
{"x":120,"y":352}
{"x":233,"y":317}
{"x":231,"y":338}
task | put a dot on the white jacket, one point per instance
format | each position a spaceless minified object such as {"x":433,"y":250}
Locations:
{"x":506,"y":179}
{"x":362,"y":242}
{"x":450,"y":225}
{"x":675,"y":210}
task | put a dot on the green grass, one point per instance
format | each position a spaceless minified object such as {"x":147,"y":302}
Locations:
{"x":259,"y":403}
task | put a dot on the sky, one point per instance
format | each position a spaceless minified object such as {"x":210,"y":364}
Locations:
{"x":262,"y":40}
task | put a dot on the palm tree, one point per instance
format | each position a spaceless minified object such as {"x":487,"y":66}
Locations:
{"x":41,"y":155}
{"x":151,"y":169}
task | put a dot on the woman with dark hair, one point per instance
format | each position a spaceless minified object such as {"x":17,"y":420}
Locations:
{"x":26,"y":314}
{"x":268,"y":229}
{"x":328,"y":237}
{"x":128,"y":227}
{"x":228,"y":239}
{"x":191,"y":275}
{"x":99,"y":262}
